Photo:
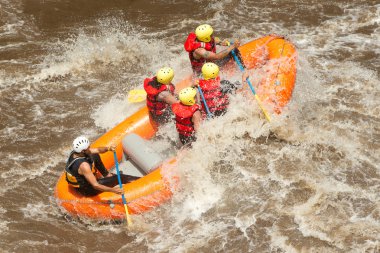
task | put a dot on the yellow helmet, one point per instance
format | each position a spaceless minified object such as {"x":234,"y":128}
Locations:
{"x":210,"y":70}
{"x":187,"y":96}
{"x":165,"y":75}
{"x":204,"y":32}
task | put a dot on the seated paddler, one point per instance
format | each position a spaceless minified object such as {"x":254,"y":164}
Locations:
{"x":82,"y":166}
{"x":160,"y":95}
{"x":201,"y":46}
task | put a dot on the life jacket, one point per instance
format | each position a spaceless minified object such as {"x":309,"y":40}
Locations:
{"x":216,"y":100}
{"x":156,"y":107}
{"x":183,"y":118}
{"x":191,"y":44}
{"x":72,"y":175}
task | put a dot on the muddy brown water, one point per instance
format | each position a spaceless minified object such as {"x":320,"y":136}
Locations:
{"x":307,"y":182}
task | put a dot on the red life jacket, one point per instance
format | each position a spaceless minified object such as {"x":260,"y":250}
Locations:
{"x":216,"y":100}
{"x":183,"y":118}
{"x":156,"y":107}
{"x":191,"y":44}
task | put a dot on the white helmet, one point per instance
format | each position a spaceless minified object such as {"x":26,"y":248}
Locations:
{"x":80,"y":143}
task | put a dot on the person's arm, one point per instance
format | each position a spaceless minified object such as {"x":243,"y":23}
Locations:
{"x":203,"y":53}
{"x":100,"y":167}
{"x":197,"y":117}
{"x":195,"y":86}
{"x":198,"y":99}
{"x":167,"y":97}
{"x":101,"y":150}
{"x":225,"y":42}
{"x":85,"y":170}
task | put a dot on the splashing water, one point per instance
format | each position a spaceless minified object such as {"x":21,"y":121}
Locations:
{"x":306,"y":182}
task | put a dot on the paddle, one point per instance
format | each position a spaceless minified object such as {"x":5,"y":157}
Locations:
{"x":250,"y":85}
{"x":129,"y":221}
{"x":209,"y":114}
{"x":136,"y":96}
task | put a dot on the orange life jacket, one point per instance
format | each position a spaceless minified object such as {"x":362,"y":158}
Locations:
{"x":156,"y":107}
{"x":216,"y":100}
{"x":183,"y":118}
{"x":191,"y":44}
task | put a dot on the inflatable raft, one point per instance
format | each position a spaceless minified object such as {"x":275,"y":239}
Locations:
{"x":275,"y":59}
{"x":275,"y":56}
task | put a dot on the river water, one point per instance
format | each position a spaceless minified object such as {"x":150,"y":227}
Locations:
{"x":309,"y":181}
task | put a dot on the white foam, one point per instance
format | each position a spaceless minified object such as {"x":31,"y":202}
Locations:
{"x":114,"y":111}
{"x":38,"y":210}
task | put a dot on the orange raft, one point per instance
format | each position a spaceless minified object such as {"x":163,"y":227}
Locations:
{"x":275,"y":56}
{"x":272,"y":60}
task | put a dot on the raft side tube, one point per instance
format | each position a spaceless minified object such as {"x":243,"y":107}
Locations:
{"x":130,"y":168}
{"x":140,"y":154}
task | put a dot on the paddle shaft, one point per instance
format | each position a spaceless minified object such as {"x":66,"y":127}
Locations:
{"x":209,"y":115}
{"x":250,"y":85}
{"x":129,"y":221}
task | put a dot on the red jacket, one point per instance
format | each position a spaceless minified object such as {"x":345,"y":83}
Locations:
{"x":191,"y":44}
{"x":183,"y":118}
{"x":156,"y":107}
{"x":216,"y":100}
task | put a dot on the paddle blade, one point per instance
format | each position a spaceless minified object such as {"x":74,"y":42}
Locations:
{"x":129,"y":220}
{"x":136,"y":96}
{"x":262,"y":108}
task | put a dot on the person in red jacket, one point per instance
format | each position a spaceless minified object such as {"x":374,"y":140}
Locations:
{"x":187,"y":115}
{"x":160,"y":95}
{"x":201,"y":46}
{"x":217,"y":100}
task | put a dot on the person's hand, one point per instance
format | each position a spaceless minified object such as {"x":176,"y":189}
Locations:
{"x":226,"y":43}
{"x":236,"y":43}
{"x":111,"y":148}
{"x":196,"y":83}
{"x":117,"y":190}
